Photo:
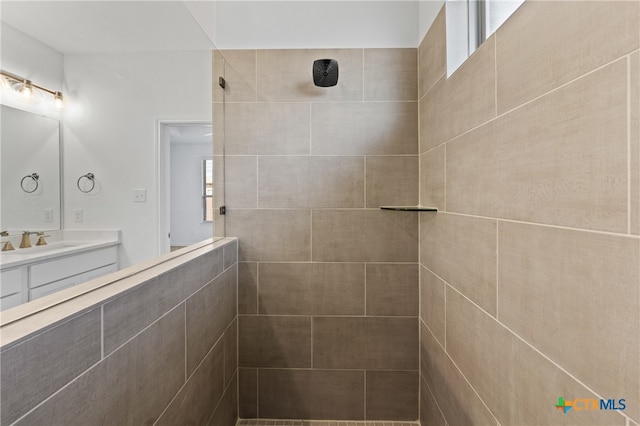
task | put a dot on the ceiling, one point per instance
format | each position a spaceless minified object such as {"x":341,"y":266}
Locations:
{"x":89,"y":26}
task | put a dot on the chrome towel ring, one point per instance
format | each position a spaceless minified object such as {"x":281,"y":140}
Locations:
{"x":35,"y":178}
{"x":89,"y":176}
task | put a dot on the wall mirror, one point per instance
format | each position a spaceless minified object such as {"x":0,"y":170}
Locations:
{"x":30,"y":171}
{"x":127,"y":69}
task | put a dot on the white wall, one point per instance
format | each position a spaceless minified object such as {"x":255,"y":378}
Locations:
{"x":110,"y":123}
{"x":315,"y":24}
{"x":427,"y":12}
{"x":187,"y":226}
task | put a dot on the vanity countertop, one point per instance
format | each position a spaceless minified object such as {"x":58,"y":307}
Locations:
{"x":60,"y":243}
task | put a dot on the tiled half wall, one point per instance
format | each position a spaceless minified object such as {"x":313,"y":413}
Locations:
{"x":328,"y":283}
{"x":163,"y":352}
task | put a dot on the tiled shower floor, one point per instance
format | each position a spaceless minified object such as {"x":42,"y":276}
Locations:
{"x":272,"y":422}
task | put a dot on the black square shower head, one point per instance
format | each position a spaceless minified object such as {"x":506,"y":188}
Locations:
{"x":325,"y":72}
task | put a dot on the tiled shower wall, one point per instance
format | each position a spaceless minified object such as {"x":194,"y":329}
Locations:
{"x":163,"y":352}
{"x":530,"y":271}
{"x":328,"y":283}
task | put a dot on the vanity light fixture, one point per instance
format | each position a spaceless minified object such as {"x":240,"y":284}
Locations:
{"x":26,"y":87}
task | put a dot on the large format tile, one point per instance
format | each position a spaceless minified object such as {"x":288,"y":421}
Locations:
{"x":247,"y":288}
{"x":274,"y":341}
{"x":392,"y":181}
{"x":364,"y":128}
{"x":634,"y":92}
{"x":429,"y":411}
{"x":241,"y":181}
{"x":226,"y":413}
{"x":308,"y":182}
{"x":432,"y":303}
{"x":209,"y":313}
{"x":33,"y":370}
{"x":365,"y":343}
{"x":392,"y":395}
{"x":599,"y":275}
{"x":562,"y":40}
{"x":195,"y":402}
{"x":456,"y":399}
{"x":230,"y":341}
{"x":264,"y":129}
{"x":271,"y":235}
{"x":364,"y":236}
{"x":432,"y":54}
{"x":238,"y":67}
{"x":131,"y":386}
{"x":462,"y":251}
{"x":460,"y":102}
{"x":557,"y":160}
{"x":390,"y":74}
{"x":311,"y":288}
{"x":432,"y":178}
{"x":392,"y":289}
{"x":520,"y":385}
{"x":248,"y":393}
{"x":311,"y":394}
{"x":285,"y":75}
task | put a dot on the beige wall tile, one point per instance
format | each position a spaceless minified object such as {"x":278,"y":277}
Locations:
{"x":390,"y":74}
{"x":307,"y":182}
{"x":365,"y":343}
{"x":274,"y":341}
{"x":364,"y":128}
{"x":392,"y":395}
{"x":33,"y":370}
{"x":238,"y":67}
{"x":432,"y":54}
{"x":230,"y":340}
{"x":392,"y":289}
{"x":537,"y":263}
{"x":241,"y":181}
{"x":432,"y":178}
{"x":286,"y":75}
{"x":271,"y":235}
{"x":491,"y":357}
{"x":364,"y":236}
{"x":392,"y":181}
{"x":562,"y":40}
{"x":226,"y":413}
{"x":462,"y":251}
{"x":203,"y":328}
{"x":264,"y":129}
{"x":247,"y":288}
{"x":458,"y":401}
{"x":311,"y":394}
{"x":429,"y":412}
{"x":131,"y":386}
{"x":635,"y":142}
{"x":432,"y":304}
{"x":195,"y":402}
{"x":248,"y":393}
{"x":557,"y":160}
{"x":460,"y":102}
{"x":311,"y":288}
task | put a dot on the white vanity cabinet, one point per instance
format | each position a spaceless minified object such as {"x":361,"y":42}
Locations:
{"x":41,"y":278}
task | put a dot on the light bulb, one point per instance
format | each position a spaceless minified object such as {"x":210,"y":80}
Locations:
{"x":58,"y":100}
{"x":26,"y":89}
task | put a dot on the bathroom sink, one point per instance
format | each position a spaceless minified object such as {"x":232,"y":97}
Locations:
{"x":49,"y":248}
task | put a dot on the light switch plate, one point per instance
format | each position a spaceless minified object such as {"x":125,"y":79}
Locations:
{"x":139,"y":195}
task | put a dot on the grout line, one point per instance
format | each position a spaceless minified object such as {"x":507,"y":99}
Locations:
{"x":445,"y":176}
{"x":364,"y":388}
{"x":311,"y":337}
{"x":546,"y":225}
{"x":629,"y":145}
{"x":310,"y":128}
{"x":257,"y":289}
{"x":257,"y":394}
{"x":497,"y":266}
{"x":257,"y":181}
{"x":365,"y":289}
{"x":102,"y":331}
{"x":256,"y":74}
{"x":364,"y":181}
{"x":495,"y":73}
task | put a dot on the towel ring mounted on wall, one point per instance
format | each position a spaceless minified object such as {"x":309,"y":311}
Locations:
{"x":91,"y":177}
{"x":35,"y":178}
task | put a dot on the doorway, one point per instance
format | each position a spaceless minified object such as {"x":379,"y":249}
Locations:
{"x":185,"y":176}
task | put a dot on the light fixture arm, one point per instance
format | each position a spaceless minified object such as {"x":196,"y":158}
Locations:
{"x":56,"y":94}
